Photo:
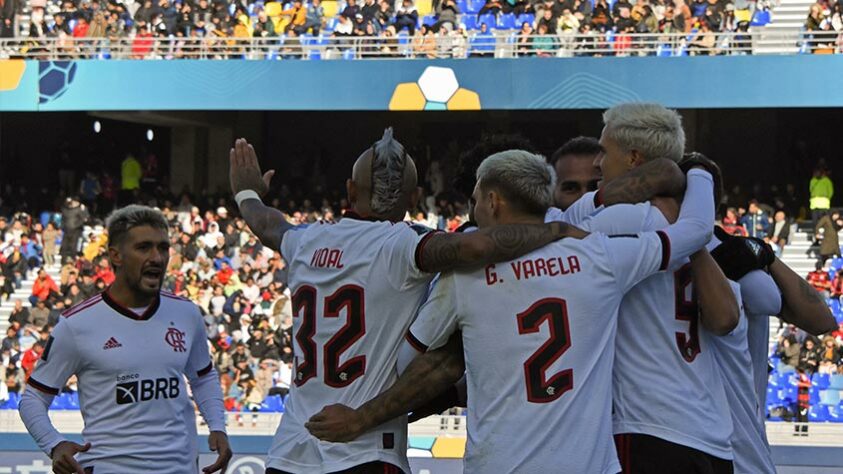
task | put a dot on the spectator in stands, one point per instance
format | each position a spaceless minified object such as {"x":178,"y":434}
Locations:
{"x":602,"y":16}
{"x":492,"y":6}
{"x":836,"y":290}
{"x":755,"y":221}
{"x":10,"y":340}
{"x":40,"y":314}
{"x":830,"y":351}
{"x":30,"y":357}
{"x":789,"y":350}
{"x":821,"y":188}
{"x":19,"y":317}
{"x":809,"y":357}
{"x":73,"y":217}
{"x":544,"y":45}
{"x":524,"y":40}
{"x":819,"y":279}
{"x":351,"y":9}
{"x":43,"y":288}
{"x":780,"y":232}
{"x":549,"y":21}
{"x":682,"y":18}
{"x":803,"y":403}
{"x":298,"y":17}
{"x":314,"y":19}
{"x":483,"y":43}
{"x":826,"y":233}
{"x":703,"y":43}
{"x":406,"y":17}
{"x":447,"y":13}
{"x":264,"y":26}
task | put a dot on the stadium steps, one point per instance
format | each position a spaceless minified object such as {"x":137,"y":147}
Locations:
{"x":22,"y":293}
{"x":787,"y":20}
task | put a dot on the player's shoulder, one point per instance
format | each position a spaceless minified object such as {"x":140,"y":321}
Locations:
{"x":620,"y":218}
{"x":78,"y":311}
{"x":175,"y":301}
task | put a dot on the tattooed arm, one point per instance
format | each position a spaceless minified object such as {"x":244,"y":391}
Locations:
{"x":499,"y":243}
{"x":267,"y":223}
{"x":659,"y":177}
{"x":438,"y":369}
{"x":802,"y":304}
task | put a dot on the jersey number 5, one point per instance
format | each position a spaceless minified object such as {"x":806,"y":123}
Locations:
{"x":349,"y":297}
{"x":540,"y":389}
{"x":686,"y":310}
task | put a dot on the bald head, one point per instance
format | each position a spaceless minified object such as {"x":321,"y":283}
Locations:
{"x":383,"y":180}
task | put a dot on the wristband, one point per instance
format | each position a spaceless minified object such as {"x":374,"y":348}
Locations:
{"x":244,"y":195}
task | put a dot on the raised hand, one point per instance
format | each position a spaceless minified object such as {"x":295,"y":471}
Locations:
{"x":218,"y":442}
{"x":335,"y":423}
{"x":244,"y":170}
{"x":64,"y":461}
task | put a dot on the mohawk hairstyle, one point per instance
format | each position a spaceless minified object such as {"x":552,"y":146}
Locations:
{"x":388,"y":161}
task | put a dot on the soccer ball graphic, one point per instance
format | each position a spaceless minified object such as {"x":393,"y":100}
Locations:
{"x":54,"y":78}
{"x":436,"y":89}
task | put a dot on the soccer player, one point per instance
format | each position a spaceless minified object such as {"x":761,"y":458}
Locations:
{"x":575,"y":170}
{"x":538,"y":331}
{"x":131,"y":348}
{"x":356,"y":286}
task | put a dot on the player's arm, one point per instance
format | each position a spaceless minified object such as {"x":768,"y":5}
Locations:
{"x":692,"y":230}
{"x":659,"y":177}
{"x":207,"y":393}
{"x":451,"y":397}
{"x":248,"y":185}
{"x":426,"y":377}
{"x":719,"y":312}
{"x":448,"y":251}
{"x":58,"y":362}
{"x":802,"y":305}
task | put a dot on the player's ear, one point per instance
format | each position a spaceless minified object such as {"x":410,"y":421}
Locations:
{"x":114,"y":256}
{"x":636,"y":158}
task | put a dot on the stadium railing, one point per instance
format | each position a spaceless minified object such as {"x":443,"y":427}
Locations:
{"x":498,"y":45}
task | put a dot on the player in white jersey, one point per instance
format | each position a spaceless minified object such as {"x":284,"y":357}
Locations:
{"x":538,"y":332}
{"x":356,"y":286}
{"x":131,"y":348}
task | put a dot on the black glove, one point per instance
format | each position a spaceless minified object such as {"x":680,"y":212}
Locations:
{"x":690,"y":160}
{"x":738,"y":256}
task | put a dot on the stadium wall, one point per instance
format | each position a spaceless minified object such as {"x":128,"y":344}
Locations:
{"x":492,"y":84}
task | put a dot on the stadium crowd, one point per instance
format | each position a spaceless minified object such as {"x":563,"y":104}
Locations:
{"x":240,"y":285}
{"x":443,"y":28}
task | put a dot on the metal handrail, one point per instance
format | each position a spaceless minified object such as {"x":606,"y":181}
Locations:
{"x":500,"y":44}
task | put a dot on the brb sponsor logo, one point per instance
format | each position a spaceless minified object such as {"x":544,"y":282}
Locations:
{"x":142,"y":390}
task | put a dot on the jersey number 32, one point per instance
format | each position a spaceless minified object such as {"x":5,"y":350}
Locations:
{"x":348,"y":297}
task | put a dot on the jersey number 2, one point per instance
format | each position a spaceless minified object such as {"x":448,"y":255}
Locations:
{"x":336,"y":375}
{"x":540,"y":389}
{"x":686,"y":310}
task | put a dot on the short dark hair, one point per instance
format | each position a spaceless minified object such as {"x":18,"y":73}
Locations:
{"x":488,"y":145}
{"x":121,"y":221}
{"x":577,"y":146}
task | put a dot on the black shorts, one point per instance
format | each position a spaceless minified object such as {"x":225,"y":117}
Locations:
{"x":644,"y":454}
{"x":376,"y":467}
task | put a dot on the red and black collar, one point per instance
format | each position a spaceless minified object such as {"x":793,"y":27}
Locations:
{"x":122,"y":309}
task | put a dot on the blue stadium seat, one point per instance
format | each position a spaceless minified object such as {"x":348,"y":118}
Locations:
{"x":760,"y":18}
{"x":474,"y":6}
{"x":506,"y":22}
{"x":830,"y":397}
{"x":836,"y":382}
{"x":814,"y":394}
{"x":429,"y":20}
{"x":488,"y":19}
{"x":835,"y":414}
{"x":470,"y":22}
{"x":789,"y":394}
{"x":274,"y":403}
{"x":525,"y":18}
{"x":833,"y":305}
{"x":462,"y":5}
{"x":821,"y":381}
{"x":818,"y":413}
{"x":11,"y":403}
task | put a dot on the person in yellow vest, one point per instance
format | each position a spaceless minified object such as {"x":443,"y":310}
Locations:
{"x":821,"y":190}
{"x":130,"y":173}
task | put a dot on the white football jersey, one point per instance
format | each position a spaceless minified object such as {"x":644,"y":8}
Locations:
{"x":538,"y":335}
{"x":665,"y":380}
{"x":749,"y":440}
{"x":356,"y":286}
{"x":132,"y":391}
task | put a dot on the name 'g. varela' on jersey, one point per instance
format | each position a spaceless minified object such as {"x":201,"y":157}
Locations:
{"x":132,"y":393}
{"x":356,"y":286}
{"x":539,"y":336}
